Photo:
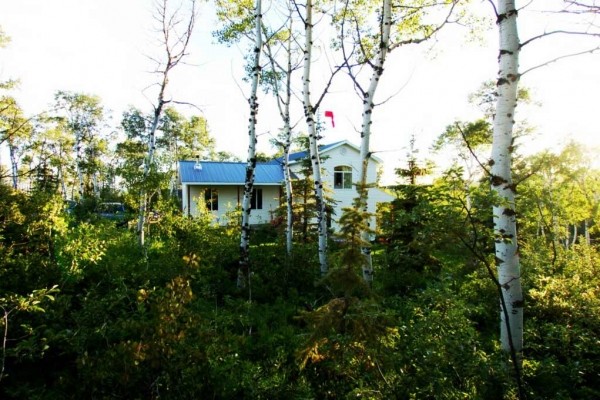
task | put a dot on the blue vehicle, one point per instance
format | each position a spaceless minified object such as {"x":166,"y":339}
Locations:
{"x":112,"y":211}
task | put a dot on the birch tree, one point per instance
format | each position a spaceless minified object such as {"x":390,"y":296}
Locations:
{"x":310,"y":110}
{"x":502,"y":184}
{"x":174,"y":42}
{"x":279,"y":79}
{"x":15,"y":130}
{"x":244,"y":19}
{"x":183,"y":139}
{"x":412,"y":22}
{"x":309,"y":115}
{"x":52,"y":134}
{"x":243,"y":272}
{"x":83,"y":115}
{"x":504,"y":212}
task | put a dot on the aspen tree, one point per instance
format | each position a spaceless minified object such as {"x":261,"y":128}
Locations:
{"x":409,"y":23}
{"x":504,"y":213}
{"x":284,"y":97}
{"x":15,"y":130}
{"x":362,"y":186}
{"x":309,"y":115}
{"x":243,"y":271}
{"x":83,"y":115}
{"x":175,"y":44}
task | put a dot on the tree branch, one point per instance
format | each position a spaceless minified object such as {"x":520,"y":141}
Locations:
{"x":545,"y":64}
{"x":545,"y":34}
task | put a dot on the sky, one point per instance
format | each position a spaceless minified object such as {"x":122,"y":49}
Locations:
{"x":101,"y":47}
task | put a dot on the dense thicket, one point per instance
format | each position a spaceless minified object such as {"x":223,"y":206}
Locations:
{"x":87,"y":313}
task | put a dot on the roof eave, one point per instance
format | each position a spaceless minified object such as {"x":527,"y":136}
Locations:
{"x":198,"y":183}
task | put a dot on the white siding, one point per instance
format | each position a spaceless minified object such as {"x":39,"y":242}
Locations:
{"x":346,"y":155}
{"x":229,"y":198}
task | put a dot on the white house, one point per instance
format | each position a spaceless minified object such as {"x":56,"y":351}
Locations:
{"x":340,"y":166}
{"x":221,"y":184}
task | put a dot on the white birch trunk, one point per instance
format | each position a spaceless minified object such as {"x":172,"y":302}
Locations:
{"x":586,"y":232}
{"x":149,"y":161}
{"x":289,"y":194}
{"x":285,"y":113}
{"x":283,"y":104}
{"x":309,"y":114}
{"x":14,"y":165}
{"x":505,"y":229}
{"x":243,"y":271}
{"x":78,"y":140}
{"x":96,"y":185}
{"x":289,"y":199}
{"x":174,"y":172}
{"x":175,"y":51}
{"x":61,"y":178}
{"x":365,"y":150}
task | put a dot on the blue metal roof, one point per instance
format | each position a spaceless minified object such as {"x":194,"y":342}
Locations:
{"x":229,"y":173}
{"x":303,"y":154}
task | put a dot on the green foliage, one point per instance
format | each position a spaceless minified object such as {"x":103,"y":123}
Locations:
{"x":559,"y":196}
{"x":237,"y":18}
{"x":563,"y":304}
{"x":353,"y":222}
{"x":304,"y":202}
{"x":472,"y":135}
{"x":168,"y":321}
{"x":12,"y":304}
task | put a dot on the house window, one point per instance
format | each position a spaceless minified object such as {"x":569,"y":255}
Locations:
{"x":256,"y":202}
{"x":211,"y":198}
{"x":342,"y":177}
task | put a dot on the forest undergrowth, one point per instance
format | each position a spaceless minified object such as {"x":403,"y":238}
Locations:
{"x":87,"y":313}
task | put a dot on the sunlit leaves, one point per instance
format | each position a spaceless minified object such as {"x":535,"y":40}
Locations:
{"x":413,"y":21}
{"x":238,"y":19}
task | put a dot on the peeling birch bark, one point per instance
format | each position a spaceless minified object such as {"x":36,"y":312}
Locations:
{"x":365,"y":150}
{"x":309,"y":114}
{"x":243,"y":271}
{"x":505,"y":227}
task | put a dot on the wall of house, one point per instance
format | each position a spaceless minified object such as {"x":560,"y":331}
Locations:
{"x":229,"y":198}
{"x":348,"y":156}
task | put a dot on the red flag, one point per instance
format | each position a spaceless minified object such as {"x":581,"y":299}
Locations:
{"x":329,"y":114}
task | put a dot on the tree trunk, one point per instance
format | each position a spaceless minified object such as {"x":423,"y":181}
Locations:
{"x":96,"y":184}
{"x":283,"y":103}
{"x":289,"y":199}
{"x":309,"y":114}
{"x":61,"y":179}
{"x":365,"y":151}
{"x":78,"y":139}
{"x":175,"y":51}
{"x":586,"y":232}
{"x":14,"y":164}
{"x":149,"y":161}
{"x":243,"y":271}
{"x":504,"y":215}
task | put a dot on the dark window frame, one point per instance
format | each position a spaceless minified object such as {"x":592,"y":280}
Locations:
{"x":211,"y":199}
{"x":256,"y":201}
{"x":342,"y":177}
